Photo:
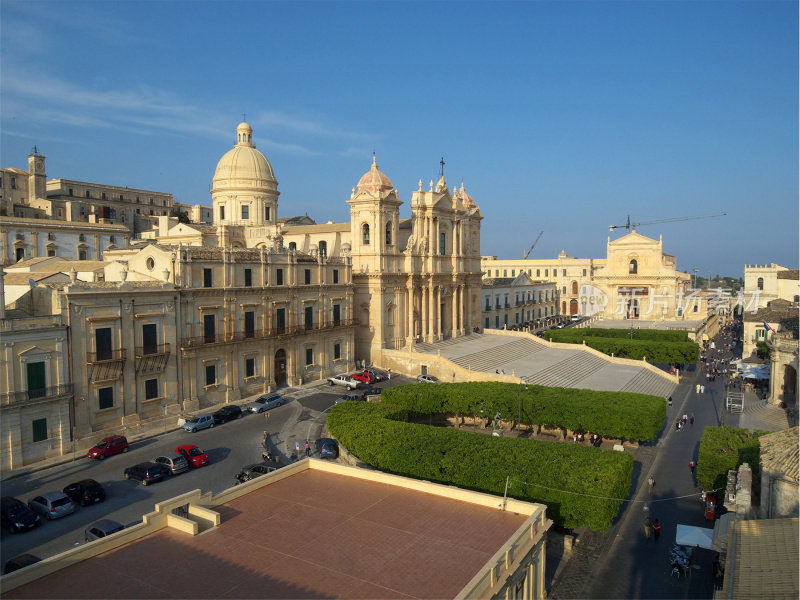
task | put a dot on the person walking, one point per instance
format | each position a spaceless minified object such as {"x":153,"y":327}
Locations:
{"x":647,"y":528}
{"x":702,"y":389}
{"x":669,"y":401}
{"x":691,"y":419}
{"x":650,"y":485}
{"x":656,"y":530}
{"x":308,"y":448}
{"x":697,"y":389}
{"x":691,"y":466}
{"x":389,"y":374}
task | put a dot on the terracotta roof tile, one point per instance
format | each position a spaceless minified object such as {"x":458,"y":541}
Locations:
{"x":779,"y":452}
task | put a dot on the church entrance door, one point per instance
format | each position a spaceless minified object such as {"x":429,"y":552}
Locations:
{"x":280,"y":368}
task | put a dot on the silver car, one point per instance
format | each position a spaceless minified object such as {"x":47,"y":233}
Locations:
{"x":198,"y":422}
{"x":427,"y":379}
{"x":101,"y":529}
{"x":52,"y":505}
{"x":174,"y":462}
{"x":266,"y":402}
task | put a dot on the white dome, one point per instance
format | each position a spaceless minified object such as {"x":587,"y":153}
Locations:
{"x":244,"y":166}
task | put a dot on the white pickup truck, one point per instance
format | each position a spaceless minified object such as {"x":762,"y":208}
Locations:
{"x":344,"y":380}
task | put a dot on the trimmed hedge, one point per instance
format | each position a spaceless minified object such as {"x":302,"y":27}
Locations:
{"x":653,"y":335}
{"x":640,"y":347}
{"x":726,"y":448}
{"x":611,"y":414}
{"x":581,"y":485}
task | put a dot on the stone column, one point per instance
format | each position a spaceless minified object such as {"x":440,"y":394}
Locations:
{"x":454,"y":311}
{"x":423,"y":311}
{"x":431,"y":311}
{"x":438,"y":312}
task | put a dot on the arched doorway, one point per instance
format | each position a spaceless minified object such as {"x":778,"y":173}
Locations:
{"x":280,"y":368}
{"x":573,"y":307}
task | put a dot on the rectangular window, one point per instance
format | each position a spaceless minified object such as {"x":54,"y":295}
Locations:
{"x":584,"y":272}
{"x":308,"y":276}
{"x":36,"y":379}
{"x":280,"y":319}
{"x":442,"y":243}
{"x":248,"y":278}
{"x":512,"y":272}
{"x":337,"y":314}
{"x":245,"y":212}
{"x":150,"y":389}
{"x":249,"y":367}
{"x":221,"y":213}
{"x":486,"y":326}
{"x":70,"y":191}
{"x":336,"y":276}
{"x":211,"y":374}
{"x":308,"y":318}
{"x":309,"y":356}
{"x":279,"y":277}
{"x":266,"y":213}
{"x":39,"y":430}
{"x":105,"y":398}
{"x":149,"y":339}
{"x":564,"y":272}
{"x":337,"y":351}
{"x":497,"y":321}
{"x":102,"y":338}
{"x":545,"y":273}
{"x":209,"y":329}
{"x":538,"y":272}
{"x":51,"y":252}
{"x":505,"y":273}
{"x":249,"y":324}
{"x":207,"y":282}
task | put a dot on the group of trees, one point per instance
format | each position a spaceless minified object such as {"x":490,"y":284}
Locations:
{"x":664,"y":347}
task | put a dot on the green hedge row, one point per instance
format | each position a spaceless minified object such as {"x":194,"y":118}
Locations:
{"x":611,"y":414}
{"x":580,"y":485}
{"x":654,"y":351}
{"x":653,"y":335}
{"x":725,"y":448}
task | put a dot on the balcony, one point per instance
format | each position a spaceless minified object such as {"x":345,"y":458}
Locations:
{"x":104,"y":366}
{"x":262,"y":334}
{"x":32,"y":396}
{"x":151,"y":359}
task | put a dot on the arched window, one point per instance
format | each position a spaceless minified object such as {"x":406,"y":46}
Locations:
{"x":761,"y":283}
{"x":388,"y":233}
{"x":292,"y":246}
{"x":323,"y":248}
{"x":633,"y":267}
{"x":365,"y":234}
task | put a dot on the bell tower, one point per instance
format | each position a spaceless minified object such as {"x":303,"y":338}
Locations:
{"x":37,"y":177}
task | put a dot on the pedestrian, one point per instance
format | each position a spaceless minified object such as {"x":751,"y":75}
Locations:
{"x":677,"y":424}
{"x":697,"y":389}
{"x":685,"y":418}
{"x":647,"y":527}
{"x":308,"y":448}
{"x":656,"y":529}
{"x":669,"y":401}
{"x":702,"y":389}
{"x":691,"y":466}
{"x":389,"y":374}
{"x":691,"y":419}
{"x":650,"y":485}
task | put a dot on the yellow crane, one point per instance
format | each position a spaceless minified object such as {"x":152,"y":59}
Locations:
{"x":526,"y":254}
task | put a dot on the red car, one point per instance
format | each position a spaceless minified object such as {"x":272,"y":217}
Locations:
{"x":108,"y":447}
{"x":364,"y":377}
{"x":193,"y":455}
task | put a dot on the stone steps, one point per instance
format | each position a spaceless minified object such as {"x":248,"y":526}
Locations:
{"x":569,"y":372}
{"x":647,"y":382}
{"x":496,"y":358}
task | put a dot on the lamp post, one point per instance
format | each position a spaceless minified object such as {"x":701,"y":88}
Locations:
{"x":475,"y":415}
{"x":708,"y":283}
{"x":519,"y":400}
{"x":695,"y":278}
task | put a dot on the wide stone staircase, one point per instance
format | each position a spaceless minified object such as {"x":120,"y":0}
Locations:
{"x":532,"y":360}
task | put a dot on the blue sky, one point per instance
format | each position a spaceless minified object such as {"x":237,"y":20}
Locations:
{"x":557,"y":116}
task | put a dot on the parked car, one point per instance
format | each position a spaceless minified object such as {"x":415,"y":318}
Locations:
{"x":175,"y":463}
{"x":266,"y":402}
{"x":101,"y":529}
{"x":539,"y":334}
{"x":15,"y":515}
{"x":146,"y":473}
{"x":227,"y":413}
{"x":364,"y":377}
{"x":249,"y":472}
{"x":108,"y":447}
{"x":427,"y":379}
{"x":20,"y":562}
{"x":348,"y":398}
{"x":575,"y":318}
{"x":344,"y":380}
{"x":199,"y":422}
{"x":52,"y":505}
{"x":327,"y":448}
{"x":193,"y":455}
{"x":85,"y":491}
{"x":377,"y":376}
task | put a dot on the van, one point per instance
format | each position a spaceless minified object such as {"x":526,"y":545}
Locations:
{"x":198,"y":422}
{"x":576,"y":317}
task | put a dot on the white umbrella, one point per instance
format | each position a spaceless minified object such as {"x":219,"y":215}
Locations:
{"x":694,"y":536}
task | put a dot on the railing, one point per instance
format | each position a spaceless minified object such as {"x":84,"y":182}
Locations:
{"x":261,"y":334}
{"x":100,"y":357}
{"x":31,"y":395}
{"x":141,"y":351}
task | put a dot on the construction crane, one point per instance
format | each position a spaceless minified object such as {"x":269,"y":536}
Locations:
{"x":525,"y":255}
{"x":628,"y":225}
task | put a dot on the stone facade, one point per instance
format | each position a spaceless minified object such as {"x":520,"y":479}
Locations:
{"x":518,"y":301}
{"x":764,"y":283}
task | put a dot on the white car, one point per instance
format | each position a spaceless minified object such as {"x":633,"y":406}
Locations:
{"x":266,"y":402}
{"x":427,"y":379}
{"x":344,"y":380}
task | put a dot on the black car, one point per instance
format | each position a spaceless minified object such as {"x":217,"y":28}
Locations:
{"x":227,"y":413}
{"x":85,"y":491}
{"x":16,"y":516}
{"x":249,"y":472}
{"x":20,"y":562}
{"x":146,"y":472}
{"x":327,"y":448}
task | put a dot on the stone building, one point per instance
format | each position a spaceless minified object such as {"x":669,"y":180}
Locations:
{"x":764,"y":283}
{"x":779,"y":474}
{"x":518,"y":301}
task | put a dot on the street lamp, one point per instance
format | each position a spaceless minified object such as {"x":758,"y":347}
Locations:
{"x":519,"y":400}
{"x":695,"y":278}
{"x":708,"y":283}
{"x":475,"y":415}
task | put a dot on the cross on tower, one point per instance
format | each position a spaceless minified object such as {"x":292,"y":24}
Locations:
{"x":441,"y":162}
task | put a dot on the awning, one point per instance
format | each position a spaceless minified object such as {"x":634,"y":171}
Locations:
{"x":705,"y":337}
{"x":721,"y":528}
{"x":688,"y":535}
